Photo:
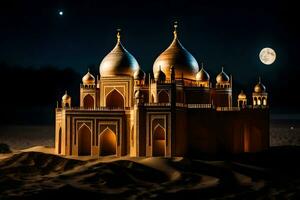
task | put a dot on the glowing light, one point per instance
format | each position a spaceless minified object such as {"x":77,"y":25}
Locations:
{"x":267,"y":56}
{"x":61,"y":13}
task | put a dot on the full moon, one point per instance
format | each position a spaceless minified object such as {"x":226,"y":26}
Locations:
{"x":267,"y":56}
{"x":61,"y":13}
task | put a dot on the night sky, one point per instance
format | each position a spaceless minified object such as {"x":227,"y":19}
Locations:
{"x":228,"y":33}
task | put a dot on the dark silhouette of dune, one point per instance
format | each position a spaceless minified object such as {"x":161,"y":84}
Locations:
{"x":36,"y":175}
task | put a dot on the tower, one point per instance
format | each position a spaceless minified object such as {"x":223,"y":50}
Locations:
{"x":66,"y":101}
{"x":259,"y":95}
{"x":223,"y":92}
{"x":88,"y":91}
{"x":242,"y":100}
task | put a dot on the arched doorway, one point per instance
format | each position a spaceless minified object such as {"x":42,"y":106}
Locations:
{"x":59,"y":141}
{"x":84,"y":141}
{"x":163,"y":97}
{"x":114,"y":100}
{"x":88,"y":102}
{"x":159,"y":142}
{"x":108,"y":143}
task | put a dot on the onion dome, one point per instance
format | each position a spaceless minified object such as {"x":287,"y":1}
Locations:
{"x":139,"y":74}
{"x":159,"y":75}
{"x":202,"y":75}
{"x":176,"y":55}
{"x":66,"y":97}
{"x":222,"y":77}
{"x":88,"y":79}
{"x":118,"y":62}
{"x":242,"y":95}
{"x":259,"y":87}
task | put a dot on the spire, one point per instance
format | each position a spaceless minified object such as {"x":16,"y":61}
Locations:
{"x":118,"y":35}
{"x":175,"y":29}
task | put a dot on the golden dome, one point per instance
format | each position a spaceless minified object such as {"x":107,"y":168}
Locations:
{"x":242,"y":95}
{"x":66,"y":97}
{"x":259,"y":87}
{"x":159,"y":75}
{"x":118,"y":62}
{"x":139,"y":74}
{"x":202,"y":75}
{"x":88,"y":79}
{"x":222,"y":77}
{"x":176,"y":55}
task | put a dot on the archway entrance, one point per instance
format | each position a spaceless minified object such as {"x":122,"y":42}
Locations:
{"x":59,"y":141}
{"x":108,"y":143}
{"x":115,"y":100}
{"x":163,"y":97}
{"x":84,"y":141}
{"x":88,"y":102}
{"x":159,"y":142}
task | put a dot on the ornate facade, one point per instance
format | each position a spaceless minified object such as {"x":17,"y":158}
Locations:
{"x":175,"y":111}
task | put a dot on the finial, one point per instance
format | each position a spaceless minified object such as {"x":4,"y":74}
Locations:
{"x":88,"y":70}
{"x":222,"y":69}
{"x":66,"y":92}
{"x":259,"y":79}
{"x":118,"y":34}
{"x":175,"y":29}
{"x":202,"y":65}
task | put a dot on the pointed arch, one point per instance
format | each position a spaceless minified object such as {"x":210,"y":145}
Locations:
{"x":59,"y":141}
{"x":115,"y":99}
{"x":163,"y":97}
{"x":84,"y":140}
{"x":107,"y":143}
{"x":88,"y":102}
{"x":159,"y":141}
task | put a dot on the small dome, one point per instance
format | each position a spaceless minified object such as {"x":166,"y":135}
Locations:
{"x":66,"y":97}
{"x":222,"y":77}
{"x":160,"y":75}
{"x":88,"y":79}
{"x":259,"y":87}
{"x":242,"y":95}
{"x":138,"y":94}
{"x":139,"y":74}
{"x":118,"y":62}
{"x":176,"y":55}
{"x":202,"y":76}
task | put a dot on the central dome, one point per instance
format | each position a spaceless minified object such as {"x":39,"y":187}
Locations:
{"x":176,"y":55}
{"x":118,"y":62}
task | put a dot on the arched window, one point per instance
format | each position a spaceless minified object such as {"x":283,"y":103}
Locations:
{"x":114,"y":100}
{"x":159,"y":141}
{"x":108,"y":143}
{"x":88,"y":102}
{"x":163,"y":97}
{"x":264,"y":101}
{"x":84,"y":141}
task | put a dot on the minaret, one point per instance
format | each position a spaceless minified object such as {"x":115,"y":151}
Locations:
{"x":66,"y":100}
{"x":88,"y":91}
{"x":259,"y":95}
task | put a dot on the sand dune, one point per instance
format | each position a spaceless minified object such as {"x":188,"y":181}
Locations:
{"x":35,"y":173}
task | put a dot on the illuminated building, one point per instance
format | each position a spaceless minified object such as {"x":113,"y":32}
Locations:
{"x":175,"y":111}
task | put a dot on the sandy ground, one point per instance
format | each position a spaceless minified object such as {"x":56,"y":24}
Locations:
{"x":37,"y":173}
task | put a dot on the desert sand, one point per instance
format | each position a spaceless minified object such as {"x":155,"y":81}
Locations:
{"x":37,"y":173}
